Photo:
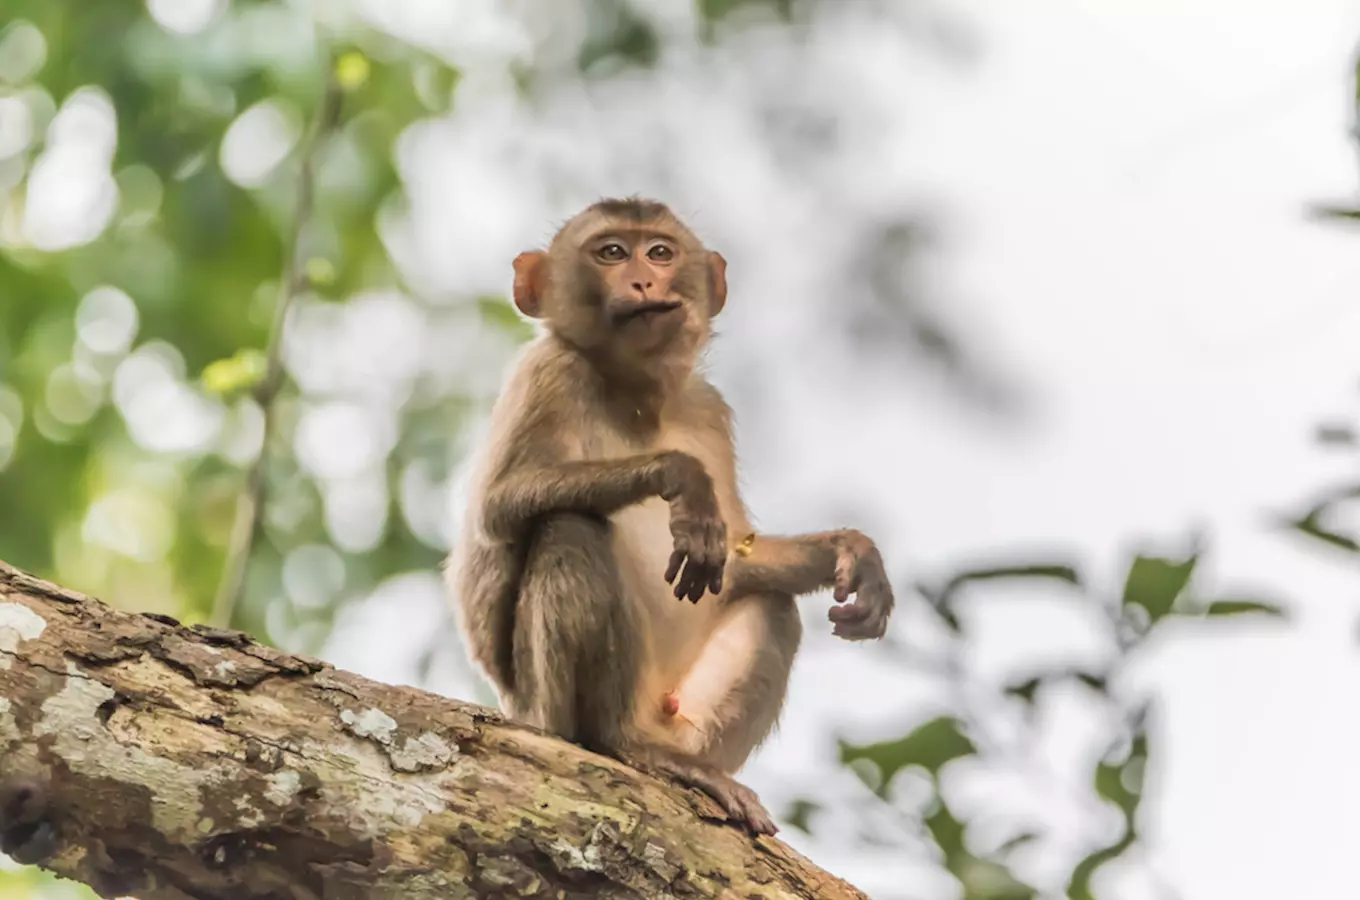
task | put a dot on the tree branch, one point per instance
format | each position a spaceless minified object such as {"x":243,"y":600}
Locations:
{"x":159,"y":761}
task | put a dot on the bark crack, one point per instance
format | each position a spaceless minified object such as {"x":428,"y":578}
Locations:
{"x":188,"y":762}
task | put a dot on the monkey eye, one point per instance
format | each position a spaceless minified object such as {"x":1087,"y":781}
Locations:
{"x":660,"y":253}
{"x":612,"y":252}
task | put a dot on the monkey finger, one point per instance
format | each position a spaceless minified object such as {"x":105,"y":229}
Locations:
{"x":855,"y":612}
{"x":701,"y":576}
{"x":705,"y":576}
{"x":871,"y":628}
{"x":685,"y":585}
{"x":845,"y":565}
{"x":673,"y":567}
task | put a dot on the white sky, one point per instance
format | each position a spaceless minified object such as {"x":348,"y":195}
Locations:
{"x":1124,"y":187}
{"x":1132,"y":177}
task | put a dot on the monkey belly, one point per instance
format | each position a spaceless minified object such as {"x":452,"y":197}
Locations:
{"x":674,"y":631}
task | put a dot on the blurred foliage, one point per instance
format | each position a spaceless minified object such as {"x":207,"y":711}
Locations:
{"x":134,"y":330}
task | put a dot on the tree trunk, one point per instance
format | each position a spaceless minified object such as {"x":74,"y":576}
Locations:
{"x":148,"y":759}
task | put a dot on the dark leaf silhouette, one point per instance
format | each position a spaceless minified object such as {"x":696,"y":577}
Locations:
{"x":930,"y":746}
{"x":1154,"y":583}
{"x":1238,"y":607}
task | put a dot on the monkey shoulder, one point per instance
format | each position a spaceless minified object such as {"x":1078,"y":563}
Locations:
{"x":708,"y":407}
{"x":540,"y":407}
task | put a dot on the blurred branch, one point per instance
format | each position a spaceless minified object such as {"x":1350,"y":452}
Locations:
{"x":250,"y":505}
{"x":144,"y":758}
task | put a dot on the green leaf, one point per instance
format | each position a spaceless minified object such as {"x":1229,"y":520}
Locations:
{"x":1237,"y":607}
{"x":947,"y":832}
{"x":1056,"y":571}
{"x":1079,"y":885}
{"x":352,"y":70}
{"x":930,"y":746}
{"x":1309,"y":525}
{"x":1027,"y":689}
{"x":941,"y":600}
{"x":1112,"y":779}
{"x":1015,"y":843}
{"x":982,"y":879}
{"x":236,"y":374}
{"x":799,"y":813}
{"x":713,"y":10}
{"x":1334,"y":211}
{"x":320,"y":272}
{"x":985,"y":879}
{"x":1099,"y":683}
{"x":1154,"y":583}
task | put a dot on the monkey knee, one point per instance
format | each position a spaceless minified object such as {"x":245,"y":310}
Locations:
{"x":567,"y":530}
{"x":569,"y":551}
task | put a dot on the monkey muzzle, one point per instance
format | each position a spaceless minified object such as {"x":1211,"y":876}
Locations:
{"x":625,"y":311}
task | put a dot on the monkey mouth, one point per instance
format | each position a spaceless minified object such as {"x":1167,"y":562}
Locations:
{"x":646,"y":310}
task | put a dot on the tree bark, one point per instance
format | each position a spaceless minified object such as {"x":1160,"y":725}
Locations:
{"x":149,"y":759}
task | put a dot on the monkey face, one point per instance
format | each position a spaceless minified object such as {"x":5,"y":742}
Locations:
{"x":639,"y":282}
{"x":625,"y":276}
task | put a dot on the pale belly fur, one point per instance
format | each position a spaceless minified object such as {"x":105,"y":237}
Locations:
{"x":676,"y":628}
{"x":698,"y":650}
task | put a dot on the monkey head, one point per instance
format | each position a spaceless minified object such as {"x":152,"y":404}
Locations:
{"x":625,"y":278}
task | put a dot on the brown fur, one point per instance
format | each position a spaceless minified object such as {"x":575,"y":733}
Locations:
{"x":609,"y":471}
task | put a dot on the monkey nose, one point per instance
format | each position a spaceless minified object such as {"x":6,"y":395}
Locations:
{"x":642,"y":287}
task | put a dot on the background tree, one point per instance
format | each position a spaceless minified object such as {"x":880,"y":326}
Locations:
{"x":172,"y":180}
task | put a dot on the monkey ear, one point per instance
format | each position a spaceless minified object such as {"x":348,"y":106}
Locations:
{"x":717,"y":277}
{"x":531,"y":271}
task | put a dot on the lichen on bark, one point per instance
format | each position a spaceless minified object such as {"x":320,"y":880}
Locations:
{"x":179,"y":762}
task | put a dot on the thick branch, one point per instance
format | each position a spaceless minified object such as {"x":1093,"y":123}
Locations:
{"x":192,"y":762}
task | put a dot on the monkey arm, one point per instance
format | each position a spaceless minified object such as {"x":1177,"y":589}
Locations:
{"x":846,"y":561}
{"x":800,"y":564}
{"x":597,"y":487}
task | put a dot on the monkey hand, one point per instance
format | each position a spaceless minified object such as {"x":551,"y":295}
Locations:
{"x":859,"y":570}
{"x":26,"y":833}
{"x":696,"y":526}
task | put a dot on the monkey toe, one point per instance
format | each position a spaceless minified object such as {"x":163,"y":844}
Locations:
{"x":742,"y":804}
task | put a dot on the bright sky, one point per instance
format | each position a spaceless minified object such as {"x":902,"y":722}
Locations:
{"x":1123,"y":187}
{"x":1131,"y":178}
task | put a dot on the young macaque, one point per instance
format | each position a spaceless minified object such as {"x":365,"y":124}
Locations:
{"x":606,"y":495}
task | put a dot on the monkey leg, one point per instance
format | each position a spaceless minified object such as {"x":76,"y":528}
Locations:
{"x":576,"y":647}
{"x":728,"y":702}
{"x":730,"y":698}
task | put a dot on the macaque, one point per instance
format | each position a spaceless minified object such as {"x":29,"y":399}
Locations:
{"x":606,"y":495}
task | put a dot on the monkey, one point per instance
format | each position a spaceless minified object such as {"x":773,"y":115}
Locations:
{"x":603,"y":498}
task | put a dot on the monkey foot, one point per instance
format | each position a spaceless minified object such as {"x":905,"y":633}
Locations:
{"x":737,"y":800}
{"x":742,"y":804}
